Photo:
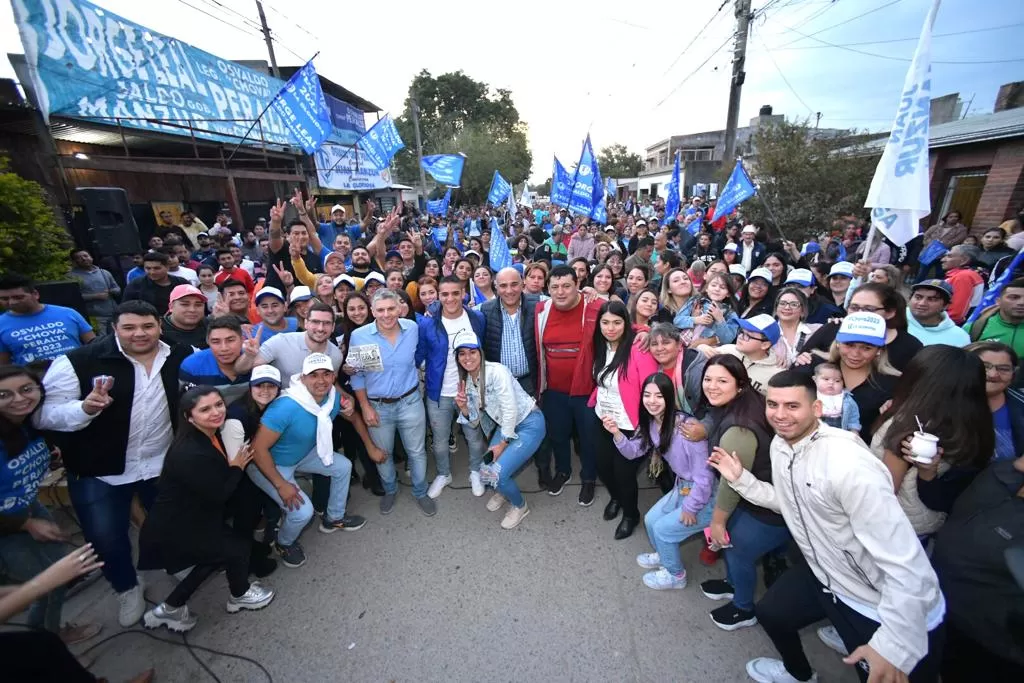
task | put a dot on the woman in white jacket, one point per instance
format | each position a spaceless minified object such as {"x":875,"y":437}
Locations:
{"x":489,"y":395}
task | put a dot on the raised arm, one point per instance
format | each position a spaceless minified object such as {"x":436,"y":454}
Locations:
{"x":276,"y":227}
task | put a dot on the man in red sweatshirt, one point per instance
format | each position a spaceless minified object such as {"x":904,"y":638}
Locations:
{"x":565,"y":331}
{"x":967,"y":284}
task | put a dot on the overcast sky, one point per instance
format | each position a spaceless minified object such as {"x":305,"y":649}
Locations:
{"x":610,"y":71}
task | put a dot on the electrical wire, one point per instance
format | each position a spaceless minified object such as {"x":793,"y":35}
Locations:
{"x":841,"y":23}
{"x":221,"y":20}
{"x":290,"y":21}
{"x":902,"y":40}
{"x":782,"y":75}
{"x":696,"y":35}
{"x":251,"y":23}
{"x":690,"y":75}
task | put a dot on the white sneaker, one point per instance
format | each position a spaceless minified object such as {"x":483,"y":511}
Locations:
{"x":495,"y":502}
{"x":830,"y":636}
{"x":436,"y":486}
{"x":476,"y":484}
{"x":133,"y":605}
{"x":649,"y":560}
{"x":514,"y":516}
{"x":768,"y":670}
{"x":662,"y":579}
{"x":179,"y":620}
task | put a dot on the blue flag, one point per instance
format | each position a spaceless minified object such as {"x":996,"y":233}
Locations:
{"x":499,"y":189}
{"x":500,"y":256}
{"x":561,"y":185}
{"x":302,"y":107}
{"x":672,"y":203}
{"x":445,"y":168}
{"x":439,"y":235}
{"x":736,"y":191}
{"x":439,"y":207}
{"x":610,"y":187}
{"x":996,"y":289}
{"x":382,"y":142}
{"x":600,"y":210}
{"x":581,"y":200}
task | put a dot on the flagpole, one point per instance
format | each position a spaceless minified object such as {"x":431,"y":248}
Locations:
{"x":248,"y":132}
{"x":767,"y":208}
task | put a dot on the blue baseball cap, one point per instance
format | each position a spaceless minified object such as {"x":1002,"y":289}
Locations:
{"x":800,"y":276}
{"x":466,"y":340}
{"x":866,"y":328}
{"x":762,"y":324}
{"x":810,"y":248}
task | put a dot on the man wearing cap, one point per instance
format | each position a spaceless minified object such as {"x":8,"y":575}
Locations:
{"x":272,"y":308}
{"x":839,"y":278}
{"x":330,"y":230}
{"x":295,"y":435}
{"x":754,"y":347}
{"x":206,"y":251}
{"x":226,"y":363}
{"x":967,"y":285}
{"x":819,"y":310}
{"x":749,"y":252}
{"x":556,"y":243}
{"x":926,"y":315}
{"x":185,"y":321}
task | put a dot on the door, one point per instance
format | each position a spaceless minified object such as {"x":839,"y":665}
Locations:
{"x":963,"y":192}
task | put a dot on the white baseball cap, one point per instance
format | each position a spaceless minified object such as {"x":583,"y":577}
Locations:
{"x":866,"y":328}
{"x":800,"y":276}
{"x":300,"y":293}
{"x":269,"y":291}
{"x":731,"y":246}
{"x":373,"y":277}
{"x":748,"y":229}
{"x":738,"y":269}
{"x":841,"y":268}
{"x":317,"y":361}
{"x":762,"y":273}
{"x":344,"y":278}
{"x":265,"y":373}
{"x":338,"y":207}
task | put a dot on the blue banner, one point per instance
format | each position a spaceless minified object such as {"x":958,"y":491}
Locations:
{"x":440,"y":236}
{"x":934,"y":250}
{"x":439,"y":207}
{"x":301,"y":105}
{"x":992,"y":295}
{"x":599,"y":212}
{"x":581,"y":199}
{"x":445,"y":168}
{"x":340,"y":167}
{"x":736,"y":191}
{"x":500,"y":256}
{"x":499,"y":189}
{"x":672,"y":202}
{"x":611,"y":186}
{"x":561,"y":185}
{"x":382,"y":142}
{"x":349,"y":122}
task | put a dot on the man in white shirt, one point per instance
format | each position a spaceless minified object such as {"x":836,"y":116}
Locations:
{"x":114,"y":404}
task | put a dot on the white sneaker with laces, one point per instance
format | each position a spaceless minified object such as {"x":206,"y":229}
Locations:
{"x":495,"y":502}
{"x":133,"y":605}
{"x":476,"y":484}
{"x":179,"y":620}
{"x":830,"y":636}
{"x":649,"y":560}
{"x":436,"y":486}
{"x":663,"y":579}
{"x":514,"y":516}
{"x":768,"y":670}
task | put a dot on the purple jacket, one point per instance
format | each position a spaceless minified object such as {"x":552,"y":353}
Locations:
{"x":688,"y":459}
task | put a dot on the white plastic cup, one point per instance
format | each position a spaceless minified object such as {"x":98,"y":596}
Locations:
{"x":924,"y":448}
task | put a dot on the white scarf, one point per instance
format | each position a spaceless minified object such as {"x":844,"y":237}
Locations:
{"x":298,"y":392}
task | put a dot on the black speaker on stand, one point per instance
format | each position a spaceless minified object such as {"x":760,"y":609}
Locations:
{"x":112,"y":227}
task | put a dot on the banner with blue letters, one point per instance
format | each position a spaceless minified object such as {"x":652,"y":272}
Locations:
{"x":349,"y":122}
{"x":561,"y":185}
{"x":342,"y":167}
{"x":302,"y":107}
{"x":737,"y":190}
{"x":445,"y":168}
{"x":382,"y":142}
{"x":439,"y":207}
{"x":581,"y":199}
{"x":499,"y":189}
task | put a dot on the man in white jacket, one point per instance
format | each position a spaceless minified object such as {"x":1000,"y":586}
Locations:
{"x":865,"y":569}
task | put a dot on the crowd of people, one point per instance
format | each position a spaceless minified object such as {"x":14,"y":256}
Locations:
{"x":775,"y":394}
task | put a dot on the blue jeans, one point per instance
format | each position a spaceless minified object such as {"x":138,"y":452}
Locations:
{"x":562,"y":413}
{"x":441,"y":413}
{"x":294,"y":521}
{"x":530,"y":433}
{"x":666,"y":531}
{"x":22,"y":557}
{"x":406,"y":416}
{"x":104,"y":513}
{"x":751,"y":539}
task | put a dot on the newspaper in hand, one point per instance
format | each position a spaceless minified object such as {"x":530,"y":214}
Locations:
{"x":365,"y":358}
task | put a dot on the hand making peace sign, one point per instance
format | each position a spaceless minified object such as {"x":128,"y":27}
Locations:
{"x":98,"y":398}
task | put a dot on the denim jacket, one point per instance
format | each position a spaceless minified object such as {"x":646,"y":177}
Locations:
{"x":726,"y":331}
{"x":507,"y":403}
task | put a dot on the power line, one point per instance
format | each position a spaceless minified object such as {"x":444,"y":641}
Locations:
{"x":245,"y":19}
{"x":901,"y":40}
{"x":841,"y":23}
{"x":699,"y":67}
{"x":783,"y":76}
{"x":291,"y":21}
{"x":816,"y":13}
{"x":214,"y":16}
{"x":695,"y":37}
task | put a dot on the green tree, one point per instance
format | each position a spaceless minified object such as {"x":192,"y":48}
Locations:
{"x":615,"y":161}
{"x":542,"y":188}
{"x":31,"y":241}
{"x":459,"y":114}
{"x":806,"y":181}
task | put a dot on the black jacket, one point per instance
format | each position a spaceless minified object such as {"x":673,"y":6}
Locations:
{"x":494,"y":327}
{"x":171,"y":334}
{"x":144,"y":289}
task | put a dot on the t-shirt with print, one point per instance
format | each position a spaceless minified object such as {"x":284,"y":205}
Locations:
{"x":563,"y":336}
{"x":453,"y":326}
{"x":45,"y":335}
{"x":20,"y":476}
{"x":296,"y":427}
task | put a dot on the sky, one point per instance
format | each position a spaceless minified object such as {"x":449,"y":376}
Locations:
{"x":630,"y":78}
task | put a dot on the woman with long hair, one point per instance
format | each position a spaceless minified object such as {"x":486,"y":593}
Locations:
{"x":775,"y":263}
{"x":452,"y":255}
{"x":684,"y":510}
{"x":483,"y":285}
{"x":185,"y":526}
{"x":31,"y":541}
{"x":208,"y":285}
{"x":394,"y":279}
{"x":757,"y":296}
{"x":711,"y":317}
{"x":1005,"y":404}
{"x":643,"y":310}
{"x":617,"y":263}
{"x":886,"y":275}
{"x":676,"y":290}
{"x":324,"y":290}
{"x":426,"y":291}
{"x":791,"y":312}
{"x":620,"y":366}
{"x":356,"y":312}
{"x":735,"y":412}
{"x":524,"y":248}
{"x":603,"y":282}
{"x":942,"y":390}
{"x":535,"y":279}
{"x":582,"y":268}
{"x":406,"y":309}
{"x":636,"y":281}
{"x":432,"y":268}
{"x":489,"y":394}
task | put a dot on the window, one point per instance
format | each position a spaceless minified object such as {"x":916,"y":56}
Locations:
{"x":701,"y":154}
{"x":963,"y":193}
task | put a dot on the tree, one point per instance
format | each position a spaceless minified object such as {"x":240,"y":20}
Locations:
{"x":806,"y":181}
{"x":31,"y":241}
{"x":615,"y":161}
{"x":459,"y":114}
{"x":543,"y":189}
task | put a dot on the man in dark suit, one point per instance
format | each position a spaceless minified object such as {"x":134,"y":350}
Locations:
{"x":750,"y":252}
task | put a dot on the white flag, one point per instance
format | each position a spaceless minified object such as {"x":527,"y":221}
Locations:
{"x":525,"y":199}
{"x":899,"y":197}
{"x":511,"y":210}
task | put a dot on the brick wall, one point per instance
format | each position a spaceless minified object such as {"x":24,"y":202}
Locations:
{"x":1004,"y":189}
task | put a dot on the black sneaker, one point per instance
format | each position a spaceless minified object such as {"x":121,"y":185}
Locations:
{"x":291,"y":555}
{"x":716,"y":589}
{"x":346,"y":523}
{"x":587,"y":493}
{"x":730,"y":617}
{"x":558,"y":483}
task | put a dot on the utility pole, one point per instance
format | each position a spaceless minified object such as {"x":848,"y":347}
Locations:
{"x":743,"y":17}
{"x":414,"y":105}
{"x":266,"y":37}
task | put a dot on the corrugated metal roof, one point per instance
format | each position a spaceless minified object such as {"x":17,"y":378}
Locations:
{"x":984,"y":128}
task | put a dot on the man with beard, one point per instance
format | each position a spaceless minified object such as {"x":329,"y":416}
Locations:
{"x":287,"y":350}
{"x":300,"y":233}
{"x":185,"y":322}
{"x":361,"y":264}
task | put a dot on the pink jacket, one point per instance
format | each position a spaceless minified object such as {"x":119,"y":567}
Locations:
{"x":641,"y":366}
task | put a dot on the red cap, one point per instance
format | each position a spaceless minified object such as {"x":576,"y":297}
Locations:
{"x":185,"y":290}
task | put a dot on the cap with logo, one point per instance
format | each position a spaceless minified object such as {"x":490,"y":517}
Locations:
{"x":762,"y":324}
{"x":466,"y":340}
{"x":842,"y":269}
{"x":261,"y":374}
{"x":181,"y":291}
{"x":317,"y":361}
{"x":940,"y":286}
{"x":866,"y":328}
{"x":269,"y":291}
{"x":800,"y":276}
{"x":300,"y":293}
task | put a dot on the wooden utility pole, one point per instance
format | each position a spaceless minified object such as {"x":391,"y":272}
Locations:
{"x":414,"y":105}
{"x":743,"y":17}
{"x":266,"y":37}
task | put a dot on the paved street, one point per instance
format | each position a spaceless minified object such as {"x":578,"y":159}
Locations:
{"x":456,"y":598}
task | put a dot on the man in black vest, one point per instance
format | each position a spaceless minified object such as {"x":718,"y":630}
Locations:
{"x":114,"y":405}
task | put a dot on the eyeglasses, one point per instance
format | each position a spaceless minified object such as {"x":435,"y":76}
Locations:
{"x":790,"y":304}
{"x":856,"y":308}
{"x":747,"y":335}
{"x":989,"y":367}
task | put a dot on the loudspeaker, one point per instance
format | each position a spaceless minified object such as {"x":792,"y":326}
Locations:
{"x":67,"y":293}
{"x":112,"y":227}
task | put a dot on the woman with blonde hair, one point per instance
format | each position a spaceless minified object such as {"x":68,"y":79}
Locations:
{"x":676,"y":290}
